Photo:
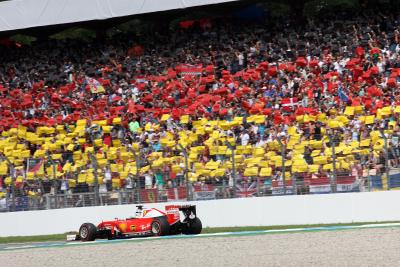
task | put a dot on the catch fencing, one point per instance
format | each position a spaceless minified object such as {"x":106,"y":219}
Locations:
{"x":258,"y":188}
{"x":286,"y":177}
{"x":249,"y":187}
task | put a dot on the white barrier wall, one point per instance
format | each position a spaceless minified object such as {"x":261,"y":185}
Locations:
{"x":278,"y":210}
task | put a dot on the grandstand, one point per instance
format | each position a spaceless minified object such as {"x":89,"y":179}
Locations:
{"x":244,"y":103}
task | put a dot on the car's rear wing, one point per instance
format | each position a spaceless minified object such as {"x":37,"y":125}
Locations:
{"x":187,"y":210}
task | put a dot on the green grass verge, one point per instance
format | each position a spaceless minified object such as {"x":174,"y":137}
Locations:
{"x":28,"y":239}
{"x":207,"y":230}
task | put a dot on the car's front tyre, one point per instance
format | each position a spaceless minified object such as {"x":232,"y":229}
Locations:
{"x":87,"y":232}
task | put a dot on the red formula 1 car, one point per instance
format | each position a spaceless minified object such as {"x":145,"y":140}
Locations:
{"x":147,"y":222}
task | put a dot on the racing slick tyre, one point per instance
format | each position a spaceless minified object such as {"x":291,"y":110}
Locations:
{"x":160,"y":226}
{"x":192,"y":227}
{"x":87,"y":232}
{"x":175,"y":229}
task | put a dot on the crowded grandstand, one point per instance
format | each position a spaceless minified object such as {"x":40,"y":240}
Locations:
{"x":241,"y":104}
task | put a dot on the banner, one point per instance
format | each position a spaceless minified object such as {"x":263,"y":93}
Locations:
{"x":189,"y":70}
{"x":141,"y":79}
{"x":246,"y":190}
{"x":35,"y":165}
{"x":149,"y":195}
{"x":177,"y":194}
{"x":320,"y":189}
{"x":278,"y":188}
{"x":94,"y":85}
{"x":394,"y":180}
{"x":21,"y":203}
{"x":320,"y":185}
{"x":376,"y":182}
{"x":3,"y":204}
{"x":204,"y":192}
{"x":347,"y":184}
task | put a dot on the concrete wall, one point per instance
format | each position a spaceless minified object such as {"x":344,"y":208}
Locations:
{"x":279,"y":210}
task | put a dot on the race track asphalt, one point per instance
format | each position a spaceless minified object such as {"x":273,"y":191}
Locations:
{"x":367,"y":245}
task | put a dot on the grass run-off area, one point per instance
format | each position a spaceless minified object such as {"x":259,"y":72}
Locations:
{"x":62,"y":237}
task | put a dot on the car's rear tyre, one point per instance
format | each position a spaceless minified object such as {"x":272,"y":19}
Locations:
{"x":160,"y":226}
{"x":87,"y":232}
{"x":192,"y":227}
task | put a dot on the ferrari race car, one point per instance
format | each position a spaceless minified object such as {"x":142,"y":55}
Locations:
{"x":147,"y":222}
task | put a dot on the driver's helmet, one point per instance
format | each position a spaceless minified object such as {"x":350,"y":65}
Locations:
{"x":139,"y":211}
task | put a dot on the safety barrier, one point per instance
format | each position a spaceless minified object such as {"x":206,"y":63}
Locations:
{"x":283,"y":210}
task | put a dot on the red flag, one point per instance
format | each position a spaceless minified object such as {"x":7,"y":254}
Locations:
{"x":301,"y":61}
{"x":391,"y":82}
{"x":131,"y":106}
{"x":210,"y":69}
{"x":360,"y":51}
{"x":289,"y":104}
{"x":272,"y":71}
{"x":374,"y":70}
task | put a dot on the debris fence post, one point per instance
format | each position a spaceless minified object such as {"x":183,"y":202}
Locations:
{"x":333,"y":179}
{"x":137,"y":160}
{"x":96,"y":181}
{"x":232,"y":148}
{"x":386,"y":157}
{"x":55,"y":184}
{"x":185,"y":155}
{"x":283,"y":153}
{"x":12,"y":176}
